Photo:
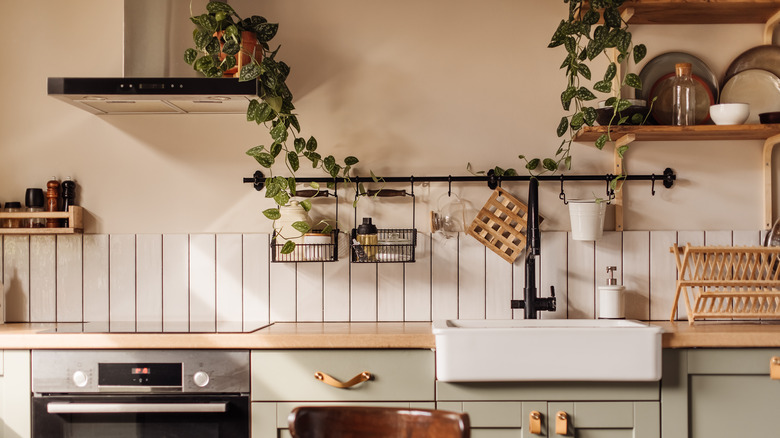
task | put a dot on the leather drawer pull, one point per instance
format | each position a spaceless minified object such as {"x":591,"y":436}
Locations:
{"x":360,"y":378}
{"x":561,"y":423}
{"x":535,"y":423}
{"x":774,"y":368}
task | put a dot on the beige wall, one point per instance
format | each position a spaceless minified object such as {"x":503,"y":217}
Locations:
{"x":409,"y":87}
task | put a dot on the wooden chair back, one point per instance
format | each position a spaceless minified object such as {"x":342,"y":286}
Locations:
{"x":376,"y":422}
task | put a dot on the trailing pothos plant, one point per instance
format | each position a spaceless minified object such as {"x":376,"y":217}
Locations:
{"x":592,"y":29}
{"x":219,"y":32}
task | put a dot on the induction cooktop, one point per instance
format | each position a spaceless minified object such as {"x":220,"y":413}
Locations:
{"x":156,"y":327}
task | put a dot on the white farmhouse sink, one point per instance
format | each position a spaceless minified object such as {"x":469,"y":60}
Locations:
{"x":546,"y":350}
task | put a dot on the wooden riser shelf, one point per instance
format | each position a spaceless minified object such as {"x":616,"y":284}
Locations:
{"x":75,"y":217}
{"x":682,"y":133}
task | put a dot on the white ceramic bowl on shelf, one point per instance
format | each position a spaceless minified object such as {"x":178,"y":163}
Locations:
{"x":729,"y":113}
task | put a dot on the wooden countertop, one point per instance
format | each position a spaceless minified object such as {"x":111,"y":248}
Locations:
{"x":712,"y":334}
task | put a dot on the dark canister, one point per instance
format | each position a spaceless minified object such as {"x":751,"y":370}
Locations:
{"x":33,"y":200}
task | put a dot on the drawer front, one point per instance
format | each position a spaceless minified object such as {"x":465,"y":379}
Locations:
{"x":731,"y":361}
{"x":396,"y":375}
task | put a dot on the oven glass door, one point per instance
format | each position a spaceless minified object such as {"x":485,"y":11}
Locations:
{"x":109,"y":416}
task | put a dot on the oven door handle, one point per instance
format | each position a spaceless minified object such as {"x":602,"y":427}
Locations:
{"x":133,"y":408}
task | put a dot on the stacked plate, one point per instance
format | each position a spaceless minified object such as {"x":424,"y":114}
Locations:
{"x":754,"y":78}
{"x":657,"y":77}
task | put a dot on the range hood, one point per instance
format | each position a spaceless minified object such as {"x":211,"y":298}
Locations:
{"x":156,"y":79}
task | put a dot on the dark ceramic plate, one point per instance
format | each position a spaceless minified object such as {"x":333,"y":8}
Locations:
{"x":662,"y":107}
{"x":760,"y":57}
{"x":662,"y":65}
{"x":773,"y":117}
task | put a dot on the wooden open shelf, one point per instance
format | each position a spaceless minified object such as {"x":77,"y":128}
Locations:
{"x":682,"y":133}
{"x":75,"y":217}
{"x":702,"y":11}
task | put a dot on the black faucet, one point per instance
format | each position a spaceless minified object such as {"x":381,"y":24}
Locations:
{"x":532,"y":303}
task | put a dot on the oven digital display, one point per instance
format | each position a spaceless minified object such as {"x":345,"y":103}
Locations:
{"x":140,"y":374}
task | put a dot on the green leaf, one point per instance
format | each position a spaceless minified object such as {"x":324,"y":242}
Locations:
{"x":329,"y":162}
{"x":622,"y":150}
{"x":640,"y":51}
{"x":622,"y":105}
{"x":294,"y":123}
{"x":203,"y":63}
{"x":288,"y":247}
{"x":230,"y":47}
{"x":584,"y":71}
{"x":306,"y":204}
{"x":272,"y":213}
{"x":279,"y":132}
{"x":563,"y":126}
{"x":265,"y":159}
{"x":584,"y":94}
{"x":550,"y":164}
{"x":311,"y":144}
{"x":301,"y":226}
{"x":315,"y":185}
{"x":275,"y":102}
{"x":271,"y":188}
{"x":533,"y":164}
{"x":292,"y":158}
{"x":299,"y":144}
{"x":636,"y":119}
{"x":275,"y":149}
{"x":591,"y":17}
{"x":350,"y":161}
{"x":328,"y":229}
{"x":334,"y":172}
{"x":577,"y":120}
{"x":601,"y":141}
{"x":611,"y":72}
{"x":253,"y":110}
{"x":590,"y":115}
{"x":231,"y":32}
{"x":612,"y":17}
{"x":291,"y":185}
{"x":282,"y":182}
{"x":567,"y":162}
{"x":282,"y":198}
{"x":249,"y":72}
{"x":567,"y":96}
{"x":594,"y":48}
{"x":611,"y":101}
{"x":571,"y":45}
{"x":255,"y":151}
{"x":227,"y":63}
{"x":265,"y":31}
{"x":213,"y":47}
{"x":560,"y":34}
{"x":206,"y":22}
{"x":214,"y":7}
{"x":633,"y":81}
{"x":190,"y":55}
{"x":603,"y":86}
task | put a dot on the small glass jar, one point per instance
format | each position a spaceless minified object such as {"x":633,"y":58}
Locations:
{"x":12,"y":207}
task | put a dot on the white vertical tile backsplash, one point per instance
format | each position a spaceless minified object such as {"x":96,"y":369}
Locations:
{"x":255,"y":292}
{"x":70,"y":262}
{"x":16,"y":277}
{"x":554,"y":269}
{"x":95,"y":277}
{"x":177,"y":282}
{"x":149,"y":293}
{"x":121,"y":281}
{"x":417,"y":282}
{"x":471,"y":278}
{"x":581,"y":297}
{"x":43,"y":278}
{"x":229,"y":304}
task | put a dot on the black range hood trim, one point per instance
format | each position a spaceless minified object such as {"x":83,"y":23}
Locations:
{"x":77,"y":90}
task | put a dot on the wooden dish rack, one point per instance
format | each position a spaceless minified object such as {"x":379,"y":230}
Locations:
{"x":726,"y":282}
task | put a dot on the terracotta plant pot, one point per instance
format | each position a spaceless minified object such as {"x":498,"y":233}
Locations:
{"x":249,"y":47}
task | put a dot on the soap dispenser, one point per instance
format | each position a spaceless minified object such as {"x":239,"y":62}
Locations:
{"x":611,"y":297}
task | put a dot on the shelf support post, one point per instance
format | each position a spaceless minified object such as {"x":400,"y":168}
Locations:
{"x":769,"y":146}
{"x":769,"y":28}
{"x":618,"y":171}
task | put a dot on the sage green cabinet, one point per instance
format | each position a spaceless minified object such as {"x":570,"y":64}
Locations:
{"x":604,"y":409}
{"x":15,"y":394}
{"x":284,"y":379}
{"x":720,"y":393}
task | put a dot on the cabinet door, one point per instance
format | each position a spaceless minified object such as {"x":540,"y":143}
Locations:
{"x":605,"y":419}
{"x":15,"y":394}
{"x":731,"y":394}
{"x":499,"y":419}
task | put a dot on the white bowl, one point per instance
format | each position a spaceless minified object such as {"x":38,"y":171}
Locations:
{"x":729,"y":113}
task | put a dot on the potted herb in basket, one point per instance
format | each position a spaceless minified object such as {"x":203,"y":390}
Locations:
{"x":220,"y":34}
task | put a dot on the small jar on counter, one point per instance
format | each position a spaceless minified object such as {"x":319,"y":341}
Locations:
{"x":12,"y":207}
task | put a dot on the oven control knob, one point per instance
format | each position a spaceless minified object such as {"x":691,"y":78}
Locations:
{"x":80,"y":379}
{"x":201,"y":378}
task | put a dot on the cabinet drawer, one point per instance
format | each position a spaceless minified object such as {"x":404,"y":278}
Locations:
{"x":396,"y":375}
{"x":733,"y":361}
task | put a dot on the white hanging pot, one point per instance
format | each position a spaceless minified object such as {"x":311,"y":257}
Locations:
{"x":587,"y":218}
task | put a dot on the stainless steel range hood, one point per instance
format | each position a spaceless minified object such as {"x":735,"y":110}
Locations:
{"x":156,"y":79}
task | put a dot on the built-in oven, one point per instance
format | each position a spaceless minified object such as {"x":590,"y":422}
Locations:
{"x":140,"y":393}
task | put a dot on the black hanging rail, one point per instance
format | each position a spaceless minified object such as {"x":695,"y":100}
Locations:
{"x":667,"y":177}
